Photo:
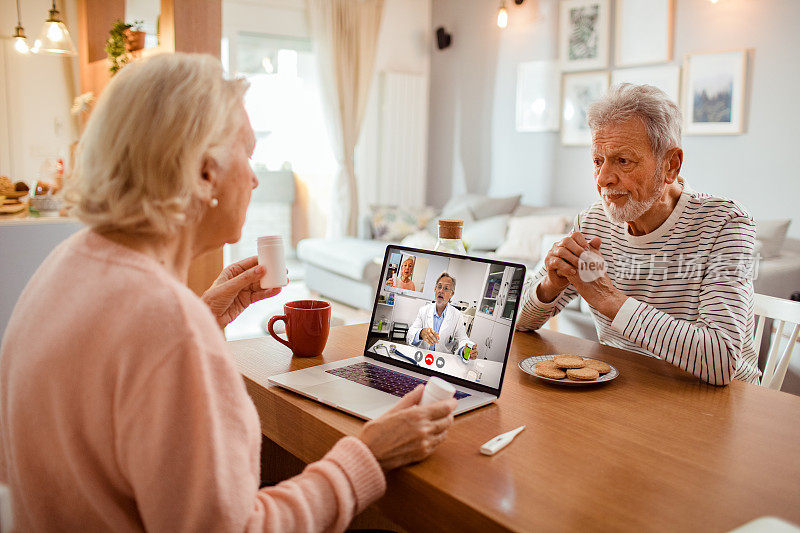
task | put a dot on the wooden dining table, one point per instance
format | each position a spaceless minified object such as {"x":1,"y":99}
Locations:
{"x":655,"y":449}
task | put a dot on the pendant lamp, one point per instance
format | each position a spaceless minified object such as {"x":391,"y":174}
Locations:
{"x":54,"y":38}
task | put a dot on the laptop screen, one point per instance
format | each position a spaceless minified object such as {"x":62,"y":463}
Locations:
{"x":445,"y":314}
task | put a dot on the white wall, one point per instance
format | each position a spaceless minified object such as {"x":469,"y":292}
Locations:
{"x":37,"y":93}
{"x":406,"y":308}
{"x":470,"y":279}
{"x":474,"y":146}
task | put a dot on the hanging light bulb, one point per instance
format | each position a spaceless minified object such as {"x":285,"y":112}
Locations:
{"x":54,"y":38}
{"x":20,"y":41}
{"x":502,"y":16}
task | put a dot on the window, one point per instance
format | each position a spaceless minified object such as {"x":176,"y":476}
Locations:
{"x":285,"y":110}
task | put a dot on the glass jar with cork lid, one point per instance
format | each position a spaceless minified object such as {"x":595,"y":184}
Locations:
{"x":450,"y":237}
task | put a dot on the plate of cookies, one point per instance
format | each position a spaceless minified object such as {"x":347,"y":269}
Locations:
{"x":567,"y":369}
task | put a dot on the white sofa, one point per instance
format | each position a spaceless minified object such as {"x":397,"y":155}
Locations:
{"x":347,"y":269}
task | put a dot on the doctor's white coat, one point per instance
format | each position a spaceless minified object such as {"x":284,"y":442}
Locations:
{"x":452,"y":333}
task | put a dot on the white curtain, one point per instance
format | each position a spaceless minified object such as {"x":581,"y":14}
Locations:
{"x":345,"y":37}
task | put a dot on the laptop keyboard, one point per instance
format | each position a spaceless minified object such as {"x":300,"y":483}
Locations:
{"x":383,"y":379}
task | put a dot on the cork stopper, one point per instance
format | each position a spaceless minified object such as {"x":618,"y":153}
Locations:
{"x":450,"y":228}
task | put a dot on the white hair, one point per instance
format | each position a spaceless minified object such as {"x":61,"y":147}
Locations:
{"x":660,"y":115}
{"x":446,"y":275}
{"x":140,"y":158}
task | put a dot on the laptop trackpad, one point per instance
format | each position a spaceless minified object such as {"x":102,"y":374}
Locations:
{"x":351,"y":395}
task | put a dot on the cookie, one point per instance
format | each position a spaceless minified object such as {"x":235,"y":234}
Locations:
{"x":583,"y":374}
{"x":600,"y":366}
{"x":549,"y":363}
{"x":569,"y":361}
{"x":551,"y":372}
{"x":6,"y":185}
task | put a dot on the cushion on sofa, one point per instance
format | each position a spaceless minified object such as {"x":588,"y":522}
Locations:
{"x":459,"y":203}
{"x":491,"y":207}
{"x":524,"y":210}
{"x":525,"y":234}
{"x":421,"y":239}
{"x":771,"y":234}
{"x":486,"y":234}
{"x":462,"y":214}
{"x":393,"y":223}
{"x":479,"y":205}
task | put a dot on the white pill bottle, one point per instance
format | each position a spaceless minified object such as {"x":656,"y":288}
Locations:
{"x":437,"y":390}
{"x":271,"y":257}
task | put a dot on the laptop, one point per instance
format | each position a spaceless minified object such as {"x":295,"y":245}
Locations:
{"x":472,"y":302}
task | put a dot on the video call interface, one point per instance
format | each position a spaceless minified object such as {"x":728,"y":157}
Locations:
{"x":452,"y":316}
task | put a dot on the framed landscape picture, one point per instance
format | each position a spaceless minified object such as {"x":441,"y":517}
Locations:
{"x":538,"y":96}
{"x":714,"y":93}
{"x":644,"y":30}
{"x":579,"y":90}
{"x":667,"y":78}
{"x":583,"y":34}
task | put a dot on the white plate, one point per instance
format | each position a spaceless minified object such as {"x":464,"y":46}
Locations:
{"x":528,"y":365}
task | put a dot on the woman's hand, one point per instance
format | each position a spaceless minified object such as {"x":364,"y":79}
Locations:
{"x":236,"y":287}
{"x":408,"y":433}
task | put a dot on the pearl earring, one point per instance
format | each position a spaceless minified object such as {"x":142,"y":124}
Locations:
{"x":214,"y":202}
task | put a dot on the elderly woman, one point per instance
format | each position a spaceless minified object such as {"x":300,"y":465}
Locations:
{"x":676,"y":282}
{"x":404,"y":279}
{"x":122,"y":409}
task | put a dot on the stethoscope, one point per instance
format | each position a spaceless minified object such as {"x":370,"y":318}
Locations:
{"x":392,"y":350}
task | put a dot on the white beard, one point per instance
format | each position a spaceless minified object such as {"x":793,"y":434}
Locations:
{"x":631,"y":209}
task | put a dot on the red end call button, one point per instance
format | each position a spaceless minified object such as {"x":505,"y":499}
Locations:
{"x":429,"y":359}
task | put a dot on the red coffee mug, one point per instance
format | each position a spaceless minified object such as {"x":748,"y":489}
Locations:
{"x":307,"y":325}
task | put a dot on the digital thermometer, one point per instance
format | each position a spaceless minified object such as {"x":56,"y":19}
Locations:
{"x":499,"y":442}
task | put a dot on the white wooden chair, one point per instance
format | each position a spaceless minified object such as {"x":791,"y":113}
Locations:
{"x":783,"y":312}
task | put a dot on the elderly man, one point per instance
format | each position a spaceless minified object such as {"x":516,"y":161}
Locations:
{"x":439,"y":325}
{"x":674,"y":279}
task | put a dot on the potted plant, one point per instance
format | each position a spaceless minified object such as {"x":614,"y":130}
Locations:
{"x":117,"y":45}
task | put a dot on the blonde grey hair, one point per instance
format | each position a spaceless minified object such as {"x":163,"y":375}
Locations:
{"x":446,"y":275}
{"x":660,"y":115}
{"x":140,"y":158}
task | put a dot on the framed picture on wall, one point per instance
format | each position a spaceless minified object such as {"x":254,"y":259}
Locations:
{"x":644,"y":30}
{"x":583,"y":34}
{"x":667,"y":78}
{"x":579,"y":90}
{"x":538,"y":96}
{"x":714,"y":93}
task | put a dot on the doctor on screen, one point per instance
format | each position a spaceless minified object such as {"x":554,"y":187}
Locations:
{"x":438,"y":325}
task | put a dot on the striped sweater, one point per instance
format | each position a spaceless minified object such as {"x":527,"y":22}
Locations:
{"x":689,"y":287}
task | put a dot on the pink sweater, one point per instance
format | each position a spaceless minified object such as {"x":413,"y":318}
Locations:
{"x":121,"y":409}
